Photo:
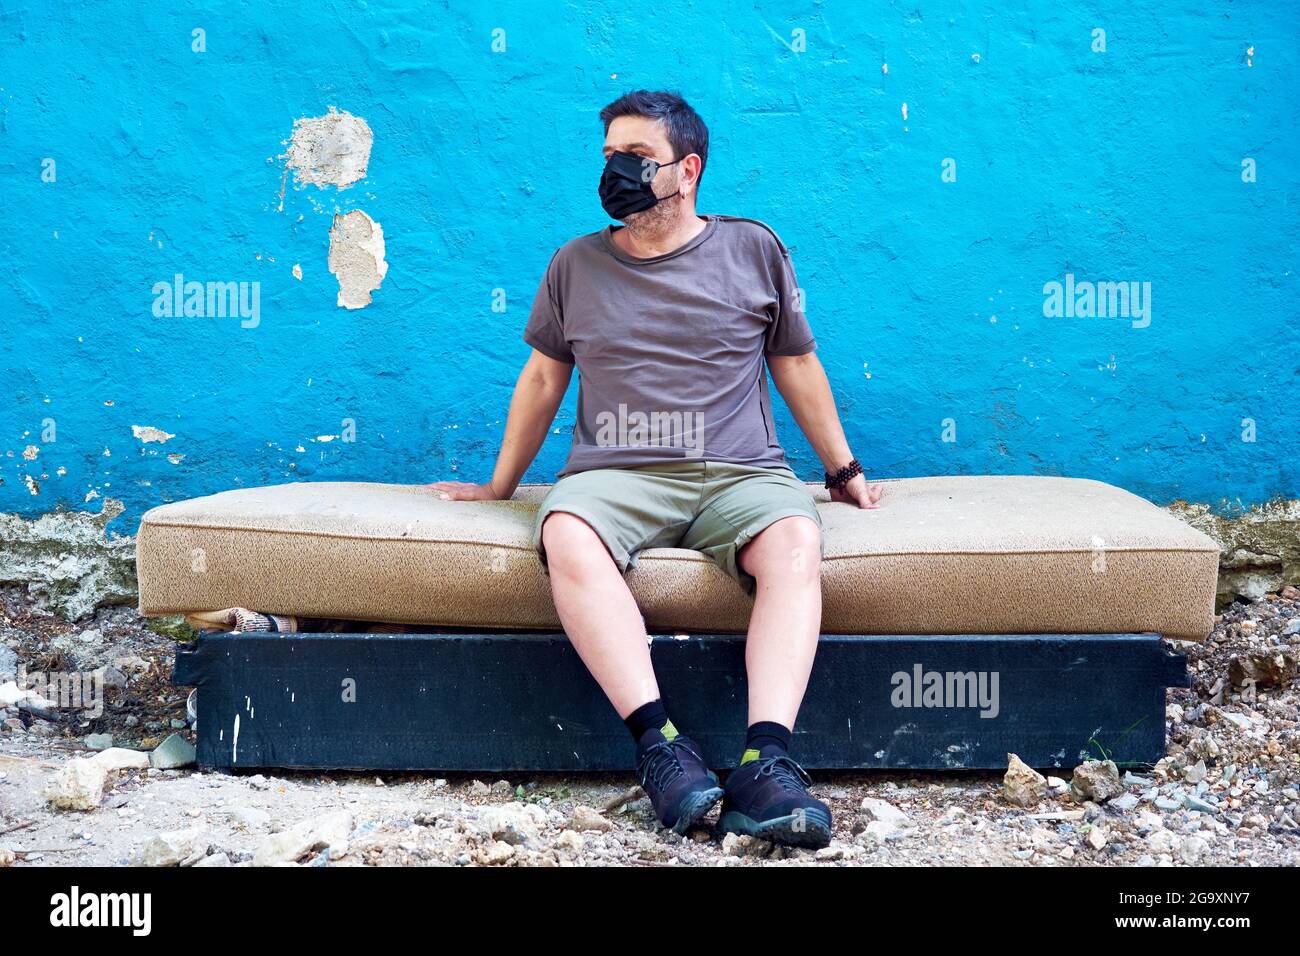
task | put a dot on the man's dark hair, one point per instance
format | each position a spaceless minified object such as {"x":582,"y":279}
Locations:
{"x":686,"y":131}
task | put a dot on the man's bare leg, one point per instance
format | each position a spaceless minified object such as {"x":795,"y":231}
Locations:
{"x":598,"y":612}
{"x":785,"y":560}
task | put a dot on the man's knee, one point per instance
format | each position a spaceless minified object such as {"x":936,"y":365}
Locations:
{"x":570,"y":543}
{"x":786,"y":550}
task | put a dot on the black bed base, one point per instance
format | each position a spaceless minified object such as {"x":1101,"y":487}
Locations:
{"x":524,"y":702}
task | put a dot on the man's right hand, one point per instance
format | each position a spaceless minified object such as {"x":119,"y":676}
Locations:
{"x":463,"y":491}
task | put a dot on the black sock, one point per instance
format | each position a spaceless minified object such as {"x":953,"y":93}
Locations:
{"x":765,"y":733}
{"x":650,"y":716}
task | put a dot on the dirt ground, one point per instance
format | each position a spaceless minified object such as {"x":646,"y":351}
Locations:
{"x":1227,"y":794}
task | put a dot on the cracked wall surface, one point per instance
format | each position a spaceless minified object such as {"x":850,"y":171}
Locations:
{"x":68,"y":561}
{"x":1259,"y":549}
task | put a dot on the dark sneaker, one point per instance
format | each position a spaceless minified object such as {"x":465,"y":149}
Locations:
{"x":674,"y":777}
{"x":768,"y":798}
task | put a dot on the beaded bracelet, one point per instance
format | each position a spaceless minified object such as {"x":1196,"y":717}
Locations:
{"x":844,"y":475}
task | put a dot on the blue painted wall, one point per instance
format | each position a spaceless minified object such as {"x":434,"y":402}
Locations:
{"x":927,"y":296}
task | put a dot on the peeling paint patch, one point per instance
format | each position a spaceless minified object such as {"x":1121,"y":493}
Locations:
{"x":329,"y":150}
{"x":30,"y":452}
{"x":297,"y":271}
{"x":32,"y":486}
{"x":147,"y":434}
{"x":175,"y":459}
{"x":357,"y":258}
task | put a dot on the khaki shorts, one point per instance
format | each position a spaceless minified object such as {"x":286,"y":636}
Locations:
{"x":712,"y":507}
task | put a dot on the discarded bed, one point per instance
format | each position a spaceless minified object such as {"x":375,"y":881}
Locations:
{"x":967,"y":618}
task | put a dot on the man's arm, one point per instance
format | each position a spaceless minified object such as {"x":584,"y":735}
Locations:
{"x":803,"y":384}
{"x":536,"y":399}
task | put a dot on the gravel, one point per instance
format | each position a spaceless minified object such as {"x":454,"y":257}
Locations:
{"x":1228,"y":793}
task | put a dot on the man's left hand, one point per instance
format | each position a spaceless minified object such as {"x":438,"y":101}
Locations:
{"x":858,"y":492}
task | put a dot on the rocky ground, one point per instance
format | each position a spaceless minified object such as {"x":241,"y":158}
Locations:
{"x":1228,"y":793}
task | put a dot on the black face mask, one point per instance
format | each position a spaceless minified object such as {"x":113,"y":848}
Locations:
{"x":625,"y":185}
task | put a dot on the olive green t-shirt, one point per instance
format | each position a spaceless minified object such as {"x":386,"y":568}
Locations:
{"x":670,"y":350}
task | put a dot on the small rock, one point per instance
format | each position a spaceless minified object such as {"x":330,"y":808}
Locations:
{"x":1193,"y":802}
{"x":1097,"y":838}
{"x":1147,"y":821}
{"x":883,"y":812}
{"x":121,"y":758}
{"x":80,"y":783}
{"x":173,"y":752}
{"x":173,"y":849}
{"x":570,"y":840}
{"x":216,"y":859}
{"x":1192,"y":849}
{"x":1022,"y":786}
{"x":883,"y":830}
{"x":1124,"y":802}
{"x":1161,"y":841}
{"x":588,"y":818}
{"x":734,"y":844}
{"x":1096,"y":780}
{"x":99,"y":741}
{"x":1237,"y":720}
{"x":332,"y":830}
{"x":1265,"y":667}
{"x":497,"y":852}
{"x":11,"y":693}
{"x":248,"y":817}
{"x":513,"y":823}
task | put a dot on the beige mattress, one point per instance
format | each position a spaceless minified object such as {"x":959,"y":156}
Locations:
{"x":963,"y":555}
